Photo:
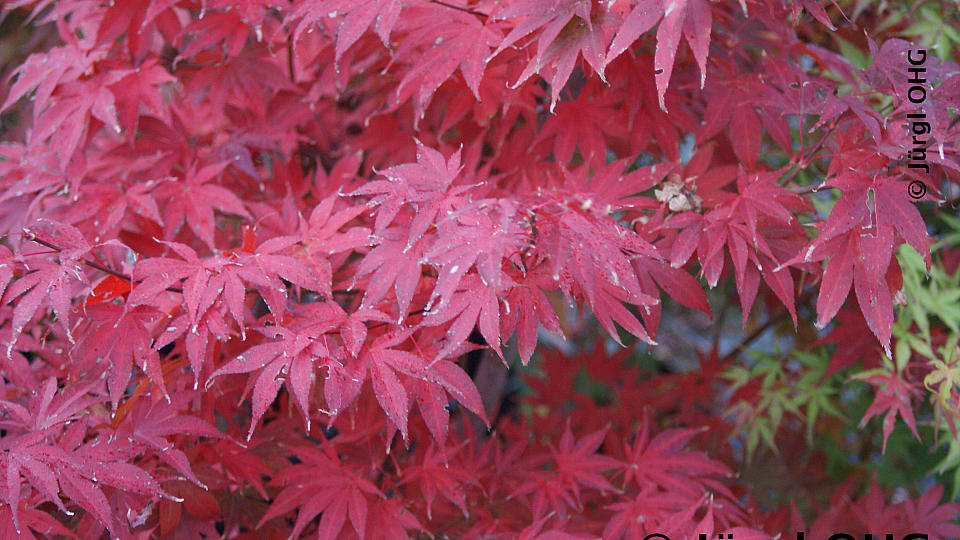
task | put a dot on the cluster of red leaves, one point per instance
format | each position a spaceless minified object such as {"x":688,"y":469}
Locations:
{"x":218,"y":202}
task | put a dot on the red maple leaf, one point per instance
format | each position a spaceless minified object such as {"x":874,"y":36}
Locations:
{"x":351,"y":19}
{"x":155,"y":423}
{"x":440,"y":41}
{"x":892,"y":396}
{"x":576,"y":464}
{"x":595,"y":253}
{"x":474,"y":304}
{"x":564,"y":31}
{"x":435,"y":474}
{"x":391,"y":263}
{"x":859,"y":237}
{"x":481,"y":235}
{"x":927,"y":514}
{"x":49,"y":283}
{"x":194,"y":199}
{"x":662,"y":461}
{"x":289,"y":360}
{"x":527,"y":307}
{"x":424,"y":185}
{"x":321,"y":483}
{"x":691,"y":18}
{"x":383,"y":364}
{"x":114,"y":339}
{"x":72,"y":469}
{"x":583,"y":124}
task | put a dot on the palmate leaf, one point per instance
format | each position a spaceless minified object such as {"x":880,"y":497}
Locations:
{"x":154,"y":424}
{"x":595,"y":253}
{"x":474,"y":305}
{"x":194,"y":199}
{"x":219,"y":281}
{"x":583,"y":124}
{"x":392,"y":262}
{"x":115,"y":339}
{"x":77,"y":471}
{"x":575,"y":465}
{"x":49,"y":284}
{"x":566,"y":31}
{"x":290,"y":360}
{"x":426,"y":185}
{"x":442,"y":40}
{"x":436,"y":475}
{"x":384,"y":365}
{"x":323,"y":484}
{"x":526,"y":308}
{"x":860,"y":246}
{"x":484,"y":235}
{"x":661,"y":461}
{"x":351,"y":19}
{"x":691,"y":18}
{"x":893,"y":396}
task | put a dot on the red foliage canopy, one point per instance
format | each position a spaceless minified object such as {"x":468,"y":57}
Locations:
{"x":244,"y":239}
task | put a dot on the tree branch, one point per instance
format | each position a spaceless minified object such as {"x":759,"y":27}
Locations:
{"x":758,"y":331}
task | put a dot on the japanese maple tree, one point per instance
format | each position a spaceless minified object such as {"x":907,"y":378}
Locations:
{"x":480,"y":269}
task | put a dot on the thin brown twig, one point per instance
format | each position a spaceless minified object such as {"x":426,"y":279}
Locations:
{"x":752,"y":336}
{"x":290,"y":61}
{"x":460,"y":8}
{"x":816,"y":146}
{"x":758,"y":331}
{"x":803,"y":190}
{"x":93,"y":264}
{"x":805,"y":158}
